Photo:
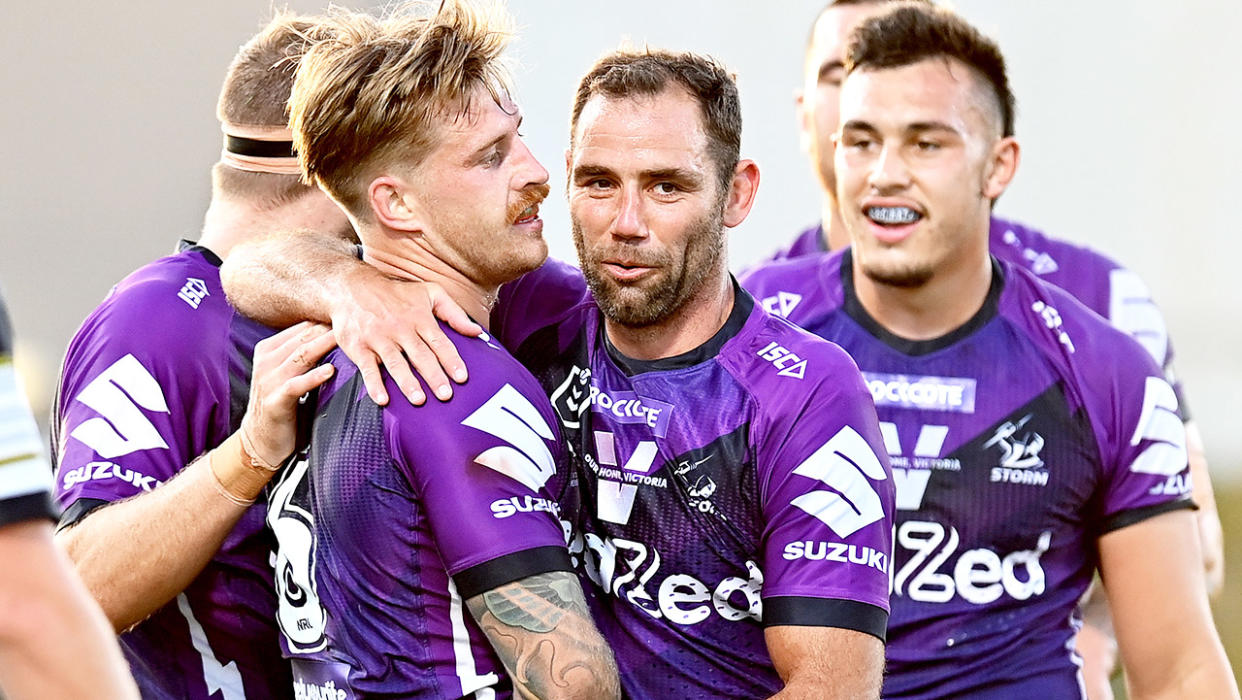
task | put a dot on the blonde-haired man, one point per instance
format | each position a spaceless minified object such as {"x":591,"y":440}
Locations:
{"x":158,"y":470}
{"x":396,"y":520}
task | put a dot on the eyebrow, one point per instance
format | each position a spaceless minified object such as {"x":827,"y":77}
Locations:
{"x":828,"y":67}
{"x":914,"y":127}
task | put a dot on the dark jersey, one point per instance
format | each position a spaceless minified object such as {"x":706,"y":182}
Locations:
{"x":392,"y":517}
{"x":156,"y":376}
{"x":739,"y":485}
{"x":1016,"y":441}
{"x":1097,"y":281}
{"x":25,"y":477}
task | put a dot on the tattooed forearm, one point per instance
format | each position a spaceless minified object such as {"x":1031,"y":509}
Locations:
{"x":542,"y":631}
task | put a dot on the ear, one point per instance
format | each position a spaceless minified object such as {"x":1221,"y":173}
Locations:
{"x":393,"y":204}
{"x":741,"y":193}
{"x":1002,"y":166}
{"x":805,"y":126}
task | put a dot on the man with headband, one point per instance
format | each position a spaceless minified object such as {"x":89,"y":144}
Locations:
{"x":157,"y":470}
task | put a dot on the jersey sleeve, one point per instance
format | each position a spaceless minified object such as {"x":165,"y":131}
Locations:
{"x":1141,"y":438}
{"x":25,"y":477}
{"x":1132,"y":310}
{"x":141,"y":387}
{"x":828,"y":498}
{"x":536,"y":300}
{"x":486,"y":479}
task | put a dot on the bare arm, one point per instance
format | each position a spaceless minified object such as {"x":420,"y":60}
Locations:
{"x":825,"y":662}
{"x":1097,"y":644}
{"x":1211,"y":536}
{"x":1154,"y":576}
{"x":54,"y":643}
{"x":377,"y":320}
{"x":542,"y":630}
{"x":136,"y":555}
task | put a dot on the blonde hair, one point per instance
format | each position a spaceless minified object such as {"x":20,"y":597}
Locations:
{"x":369,"y":90}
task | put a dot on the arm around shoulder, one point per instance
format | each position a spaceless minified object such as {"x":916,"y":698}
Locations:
{"x":542,"y":630}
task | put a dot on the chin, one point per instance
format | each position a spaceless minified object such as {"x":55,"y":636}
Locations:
{"x":904,"y":277}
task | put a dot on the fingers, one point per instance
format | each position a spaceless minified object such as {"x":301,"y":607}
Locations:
{"x":302,"y":383}
{"x":443,"y":359}
{"x":372,"y":379}
{"x":399,"y":369}
{"x":448,"y":311}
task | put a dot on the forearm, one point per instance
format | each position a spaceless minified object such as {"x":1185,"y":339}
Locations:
{"x":53,"y":640}
{"x":825,"y":662}
{"x":285,"y":278}
{"x":1211,"y":536}
{"x":136,"y":555}
{"x":543,"y":633}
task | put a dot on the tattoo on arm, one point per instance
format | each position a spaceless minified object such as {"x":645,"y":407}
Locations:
{"x":542,"y":630}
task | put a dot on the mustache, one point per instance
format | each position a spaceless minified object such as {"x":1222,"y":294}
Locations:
{"x":530,"y":196}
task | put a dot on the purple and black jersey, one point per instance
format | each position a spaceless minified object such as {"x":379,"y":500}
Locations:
{"x":391,"y":518}
{"x":739,"y":485}
{"x":1094,"y":279}
{"x":157,"y":375}
{"x":1016,"y":441}
{"x":25,"y":478}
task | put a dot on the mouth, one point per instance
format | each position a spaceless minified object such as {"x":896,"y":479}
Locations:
{"x":624,"y":270}
{"x":892,"y":215}
{"x":528,"y":215}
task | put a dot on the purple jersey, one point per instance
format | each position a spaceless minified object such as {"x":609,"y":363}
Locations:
{"x":738,"y":485}
{"x":1016,"y":441}
{"x":156,"y":376}
{"x":392,"y":517}
{"x":25,"y":478}
{"x":1094,"y":279}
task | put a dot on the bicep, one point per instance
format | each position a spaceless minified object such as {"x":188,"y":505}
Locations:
{"x":826,"y":662}
{"x":542,"y":631}
{"x":1153,"y":573}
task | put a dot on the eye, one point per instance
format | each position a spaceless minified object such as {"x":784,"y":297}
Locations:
{"x":492,"y":159}
{"x":666,"y":188}
{"x":926,"y":145}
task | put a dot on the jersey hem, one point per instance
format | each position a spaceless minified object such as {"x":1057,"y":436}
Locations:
{"x":805,"y":611}
{"x":1127,"y":518}
{"x":508,"y":568}
{"x":30,"y":506}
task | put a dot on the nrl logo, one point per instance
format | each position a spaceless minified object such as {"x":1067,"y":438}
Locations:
{"x":573,"y":397}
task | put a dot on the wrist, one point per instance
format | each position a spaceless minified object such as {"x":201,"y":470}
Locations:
{"x":236,"y":478}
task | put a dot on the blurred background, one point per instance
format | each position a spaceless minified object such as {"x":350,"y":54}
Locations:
{"x":1127,"y":117}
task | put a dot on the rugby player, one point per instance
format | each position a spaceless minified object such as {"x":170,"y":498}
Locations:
{"x":1030,"y":440}
{"x":156,"y":478}
{"x":1093,"y":279}
{"x":421,"y":551}
{"x":54,"y":641}
{"x":736,"y":496}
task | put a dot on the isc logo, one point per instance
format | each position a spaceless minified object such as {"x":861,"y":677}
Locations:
{"x":789,"y":364}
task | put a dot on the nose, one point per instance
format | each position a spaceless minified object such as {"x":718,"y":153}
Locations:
{"x":628,"y":221}
{"x":532,"y":171}
{"x":889,"y":172}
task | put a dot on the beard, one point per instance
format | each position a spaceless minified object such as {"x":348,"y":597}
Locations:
{"x":677,"y":279}
{"x":909,"y":277}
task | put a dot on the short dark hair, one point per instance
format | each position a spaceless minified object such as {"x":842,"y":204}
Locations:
{"x":256,"y":93}
{"x":912,"y":33}
{"x":810,"y":35}
{"x":625,"y":72}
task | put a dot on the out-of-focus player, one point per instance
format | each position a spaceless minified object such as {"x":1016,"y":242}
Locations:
{"x":1093,"y":279}
{"x":156,"y":478}
{"x":737,"y":499}
{"x":54,"y":641}
{"x":420,"y":549}
{"x":1030,"y":440}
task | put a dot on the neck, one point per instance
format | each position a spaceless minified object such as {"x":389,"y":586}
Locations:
{"x":693,"y":324}
{"x":835,"y":235}
{"x":228,"y":223}
{"x":405,"y":256}
{"x":953,"y":295}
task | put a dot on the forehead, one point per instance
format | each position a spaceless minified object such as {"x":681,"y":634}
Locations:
{"x":832,"y":31}
{"x":932,"y":90}
{"x":482,"y":122}
{"x":644,"y":130}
